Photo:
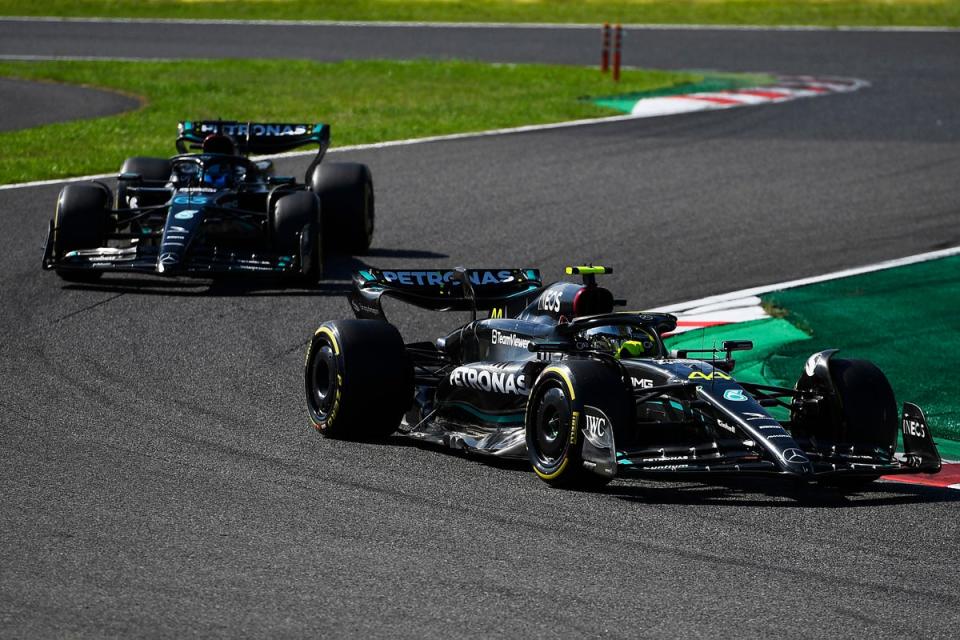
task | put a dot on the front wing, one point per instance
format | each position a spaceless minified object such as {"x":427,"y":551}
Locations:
{"x":713,"y":459}
{"x":920,"y":455}
{"x":199,"y":262}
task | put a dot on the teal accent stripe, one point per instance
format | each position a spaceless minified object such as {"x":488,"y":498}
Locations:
{"x":489,"y":417}
{"x":366,"y":275}
{"x":518,"y":294}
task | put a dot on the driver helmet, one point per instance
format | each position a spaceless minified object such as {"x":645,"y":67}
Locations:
{"x":623,"y":341}
{"x":216,"y":175}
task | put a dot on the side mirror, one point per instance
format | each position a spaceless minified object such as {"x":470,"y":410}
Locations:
{"x":730,"y":346}
{"x":737,"y":345}
{"x":130,"y":176}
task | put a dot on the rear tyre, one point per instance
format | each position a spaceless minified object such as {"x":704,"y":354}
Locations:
{"x":80,"y":222}
{"x":868,"y":409}
{"x":556,"y":414}
{"x":150,"y":170}
{"x":346,"y":193}
{"x":295,"y":227}
{"x":358,"y":379}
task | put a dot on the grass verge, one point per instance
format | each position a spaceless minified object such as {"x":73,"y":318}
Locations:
{"x":364,"y":101}
{"x":759,"y":12}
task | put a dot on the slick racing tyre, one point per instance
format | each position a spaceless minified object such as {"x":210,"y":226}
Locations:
{"x":556,"y":419}
{"x":150,"y":170}
{"x":80,"y":222}
{"x":869,"y":411}
{"x":358,"y":378}
{"x":868,"y":403}
{"x":346,"y":194}
{"x":295,"y":228}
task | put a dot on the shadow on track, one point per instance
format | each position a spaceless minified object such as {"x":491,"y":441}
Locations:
{"x":781,"y":493}
{"x":745,"y":491}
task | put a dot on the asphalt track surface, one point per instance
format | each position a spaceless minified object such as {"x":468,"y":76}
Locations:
{"x":159,"y":477}
{"x":29,"y":104}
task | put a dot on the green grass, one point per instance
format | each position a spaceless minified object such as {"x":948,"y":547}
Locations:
{"x":368,"y":101}
{"x":760,"y":12}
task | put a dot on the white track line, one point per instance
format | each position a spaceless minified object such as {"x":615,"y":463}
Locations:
{"x":477,"y":25}
{"x":789,"y":284}
{"x":374,"y":145}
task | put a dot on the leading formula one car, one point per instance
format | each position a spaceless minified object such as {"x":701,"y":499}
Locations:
{"x":554,"y":374}
{"x":215,"y":211}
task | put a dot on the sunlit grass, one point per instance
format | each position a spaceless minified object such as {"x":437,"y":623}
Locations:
{"x":363,"y":101}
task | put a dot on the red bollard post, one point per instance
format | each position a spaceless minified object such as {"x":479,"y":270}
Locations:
{"x":617,"y":41}
{"x":605,"y":50}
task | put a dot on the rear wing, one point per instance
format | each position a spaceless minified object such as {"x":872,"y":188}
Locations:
{"x":257,"y":137}
{"x":503,"y":292}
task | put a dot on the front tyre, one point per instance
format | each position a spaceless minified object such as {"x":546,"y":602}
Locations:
{"x":557,"y":409}
{"x":358,"y":379}
{"x":81,"y":221}
{"x":869,"y":413}
{"x":295,"y":229}
{"x":867,"y":402}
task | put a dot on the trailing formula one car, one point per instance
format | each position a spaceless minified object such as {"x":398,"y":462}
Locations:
{"x":554,"y":374}
{"x":215,"y":211}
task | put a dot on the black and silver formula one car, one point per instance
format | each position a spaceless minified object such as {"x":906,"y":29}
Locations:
{"x":215,"y":211}
{"x":587,"y":394}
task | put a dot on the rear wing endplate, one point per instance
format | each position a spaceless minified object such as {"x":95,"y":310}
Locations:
{"x":505,"y":290}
